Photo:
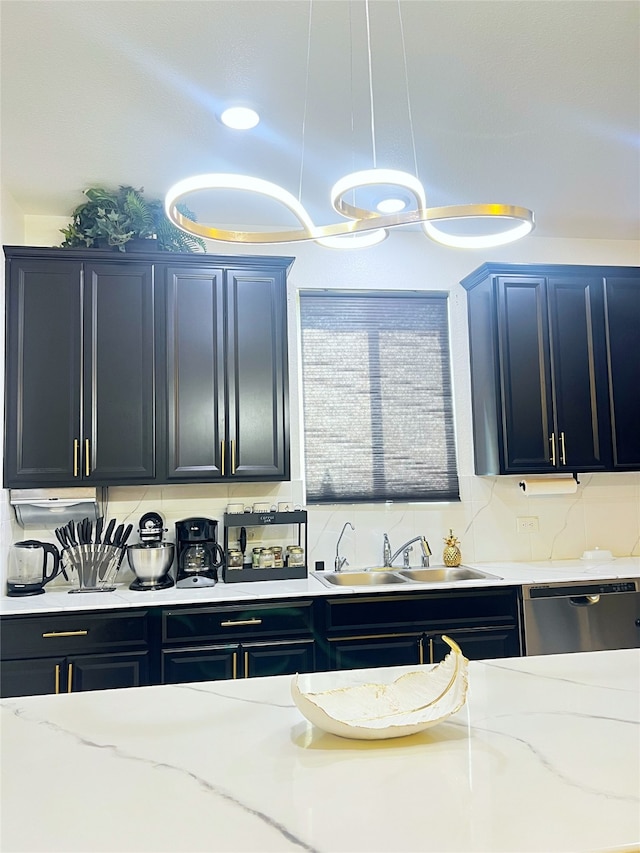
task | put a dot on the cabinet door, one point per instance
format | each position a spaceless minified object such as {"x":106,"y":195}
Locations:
{"x":477,"y":645}
{"x":32,"y":677}
{"x":623,"y":322}
{"x":206,"y":663}
{"x":119,"y":392}
{"x":257,"y":377}
{"x":382,"y":650}
{"x":43,"y":372}
{"x":525,"y":375}
{"x":278,"y":658}
{"x":193,"y":375}
{"x":107,"y":671}
{"x":582,"y":439}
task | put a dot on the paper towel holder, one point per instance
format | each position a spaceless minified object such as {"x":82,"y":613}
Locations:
{"x":49,"y":508}
{"x":522,"y":484}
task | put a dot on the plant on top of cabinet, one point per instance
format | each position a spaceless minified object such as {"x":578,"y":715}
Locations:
{"x":115,"y":218}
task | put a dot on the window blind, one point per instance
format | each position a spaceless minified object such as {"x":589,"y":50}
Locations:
{"x":377,"y":397}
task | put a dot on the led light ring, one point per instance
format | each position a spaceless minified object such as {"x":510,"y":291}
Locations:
{"x":524,"y":218}
{"x":363,"y":222}
{"x":369,"y":178}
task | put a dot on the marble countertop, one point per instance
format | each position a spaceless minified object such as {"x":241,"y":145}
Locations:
{"x":543,"y":757}
{"x":57,"y":598}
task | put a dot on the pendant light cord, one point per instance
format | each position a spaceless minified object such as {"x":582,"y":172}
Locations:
{"x":373,"y":121}
{"x":406,"y":84}
{"x":306,"y":98}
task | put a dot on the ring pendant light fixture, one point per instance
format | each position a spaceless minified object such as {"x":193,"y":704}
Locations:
{"x":363,"y":227}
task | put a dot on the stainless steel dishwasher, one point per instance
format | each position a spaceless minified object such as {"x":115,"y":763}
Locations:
{"x":582,"y":616}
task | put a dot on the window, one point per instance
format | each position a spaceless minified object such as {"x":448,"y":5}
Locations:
{"x":378,"y":408}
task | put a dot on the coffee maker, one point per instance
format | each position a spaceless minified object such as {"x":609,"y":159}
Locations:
{"x":198,"y":552}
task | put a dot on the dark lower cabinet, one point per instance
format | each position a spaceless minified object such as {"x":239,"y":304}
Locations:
{"x":130,"y":647}
{"x":237,"y":641}
{"x":32,"y":677}
{"x":404,"y":629}
{"x":212,"y":663}
{"x":65,"y":653}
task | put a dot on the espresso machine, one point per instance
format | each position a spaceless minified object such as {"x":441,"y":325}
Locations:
{"x":199,"y":555}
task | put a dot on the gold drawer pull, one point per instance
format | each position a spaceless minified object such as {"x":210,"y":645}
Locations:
{"x":241,"y":622}
{"x":57,"y":678}
{"x":87,"y":469}
{"x":69,"y":677}
{"x":75,"y":456}
{"x":66,"y":634}
{"x":246,"y":664}
{"x":234,"y":673}
{"x":233,"y":456}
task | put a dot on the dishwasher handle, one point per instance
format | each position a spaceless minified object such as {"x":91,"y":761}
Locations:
{"x":583,"y":600}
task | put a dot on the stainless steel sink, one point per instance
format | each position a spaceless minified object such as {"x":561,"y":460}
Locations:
{"x":372,"y":578}
{"x":381,"y":576}
{"x":444,"y":574}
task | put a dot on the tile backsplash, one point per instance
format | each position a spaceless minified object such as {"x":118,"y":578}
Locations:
{"x":603,"y":513}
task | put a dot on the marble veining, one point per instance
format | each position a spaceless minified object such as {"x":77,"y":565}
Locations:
{"x":543,"y":757}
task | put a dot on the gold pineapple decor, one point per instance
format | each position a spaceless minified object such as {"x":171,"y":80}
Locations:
{"x":451,"y":556}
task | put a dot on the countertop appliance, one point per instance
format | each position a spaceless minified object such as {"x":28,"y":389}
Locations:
{"x":27,"y":573}
{"x":581,"y":616}
{"x":199,"y":554}
{"x":151,"y":559}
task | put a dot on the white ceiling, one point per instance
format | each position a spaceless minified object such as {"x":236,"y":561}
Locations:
{"x":529,"y":103}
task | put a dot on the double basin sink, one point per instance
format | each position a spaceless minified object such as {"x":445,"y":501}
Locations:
{"x":383,"y":576}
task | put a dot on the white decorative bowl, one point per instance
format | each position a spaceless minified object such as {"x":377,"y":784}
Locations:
{"x":413,"y":702}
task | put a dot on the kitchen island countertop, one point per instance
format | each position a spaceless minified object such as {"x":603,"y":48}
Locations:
{"x":543,"y":757}
{"x":57,"y":598}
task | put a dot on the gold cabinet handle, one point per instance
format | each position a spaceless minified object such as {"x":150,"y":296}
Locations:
{"x":69,"y":677}
{"x":246,"y":664}
{"x":430,"y":649}
{"x":421,"y":653}
{"x":563,"y":456}
{"x":553,"y":448}
{"x":230,"y":623}
{"x":66,"y":634}
{"x":57,"y":678}
{"x":87,"y":469}
{"x":235,"y":665}
{"x":233,"y":456}
{"x":76,"y":447}
{"x":222,"y":443}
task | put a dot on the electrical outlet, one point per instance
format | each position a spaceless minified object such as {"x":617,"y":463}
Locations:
{"x":252,"y":534}
{"x":528,"y":524}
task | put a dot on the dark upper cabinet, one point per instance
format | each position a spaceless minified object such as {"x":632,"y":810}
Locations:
{"x":134,"y":369}
{"x":554,"y":377}
{"x":622,"y":307}
{"x":79,"y":370}
{"x":225,"y":371}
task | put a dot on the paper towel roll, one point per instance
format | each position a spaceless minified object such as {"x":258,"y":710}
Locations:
{"x":549,"y":485}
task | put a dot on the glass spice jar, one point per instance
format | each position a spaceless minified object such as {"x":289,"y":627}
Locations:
{"x":266,"y":558}
{"x":295,"y":555}
{"x":234,"y":559}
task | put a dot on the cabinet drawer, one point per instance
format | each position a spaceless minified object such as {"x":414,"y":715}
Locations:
{"x":206,"y":623}
{"x":30,"y":636}
{"x":422,"y":611}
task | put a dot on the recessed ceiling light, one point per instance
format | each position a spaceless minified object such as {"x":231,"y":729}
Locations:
{"x":240,"y":118}
{"x":391,"y":205}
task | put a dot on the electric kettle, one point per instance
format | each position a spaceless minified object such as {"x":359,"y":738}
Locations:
{"x":27,"y":574}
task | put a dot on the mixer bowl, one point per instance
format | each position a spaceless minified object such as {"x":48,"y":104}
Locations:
{"x":150,"y":562}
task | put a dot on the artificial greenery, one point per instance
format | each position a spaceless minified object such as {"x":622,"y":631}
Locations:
{"x":114,"y":217}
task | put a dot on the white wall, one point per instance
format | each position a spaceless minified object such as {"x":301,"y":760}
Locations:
{"x":605,"y":512}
